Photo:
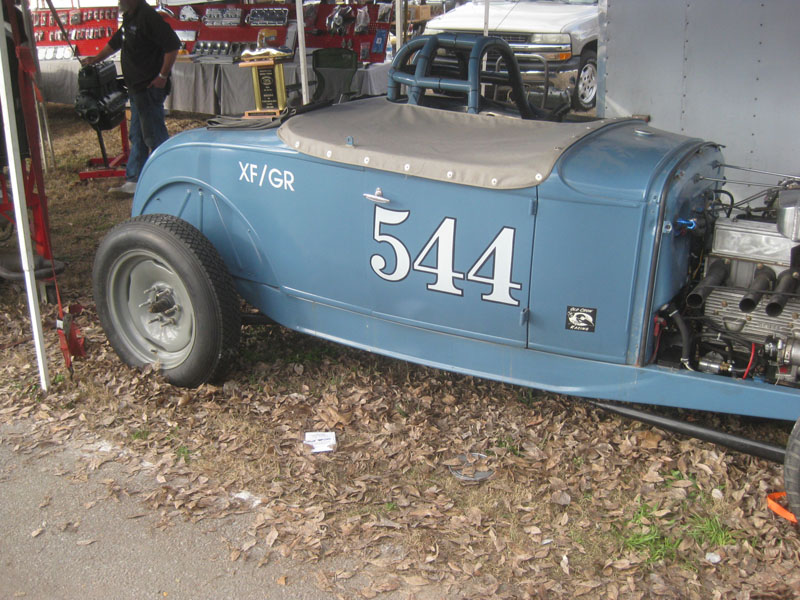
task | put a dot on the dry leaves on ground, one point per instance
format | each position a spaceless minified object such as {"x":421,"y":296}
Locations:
{"x":581,"y":504}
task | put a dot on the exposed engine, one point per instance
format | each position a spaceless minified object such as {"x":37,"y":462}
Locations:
{"x":101,"y":96}
{"x":740,"y":313}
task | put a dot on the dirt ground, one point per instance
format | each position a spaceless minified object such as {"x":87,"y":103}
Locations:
{"x":580,"y":503}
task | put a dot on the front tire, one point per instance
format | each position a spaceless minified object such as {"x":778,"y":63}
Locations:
{"x":164,"y":296}
{"x":585,"y":95}
{"x":791,"y":470}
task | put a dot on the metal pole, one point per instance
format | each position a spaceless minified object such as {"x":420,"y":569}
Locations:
{"x":301,"y":48}
{"x":485,"y":32}
{"x":21,"y":209}
{"x":399,"y":25}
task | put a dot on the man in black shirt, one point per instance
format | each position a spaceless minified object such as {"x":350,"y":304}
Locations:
{"x":149,"y":49}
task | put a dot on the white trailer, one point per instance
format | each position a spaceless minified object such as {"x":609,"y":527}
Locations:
{"x":722,"y":70}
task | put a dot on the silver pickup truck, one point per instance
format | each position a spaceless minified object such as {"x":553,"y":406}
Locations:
{"x":562,"y":32}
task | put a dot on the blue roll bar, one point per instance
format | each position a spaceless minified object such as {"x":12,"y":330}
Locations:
{"x":427,"y":46}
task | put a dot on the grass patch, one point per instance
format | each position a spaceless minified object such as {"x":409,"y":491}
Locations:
{"x":675,"y":475}
{"x":709,"y":531}
{"x":508,"y":443}
{"x":140,"y":434}
{"x":648,"y":537}
{"x":528,"y":397}
{"x":183,"y":453}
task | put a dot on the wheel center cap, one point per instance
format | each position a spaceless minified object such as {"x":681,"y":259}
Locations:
{"x":161,"y":303}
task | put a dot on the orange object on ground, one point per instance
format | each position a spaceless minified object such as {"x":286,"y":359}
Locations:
{"x":774,"y":506}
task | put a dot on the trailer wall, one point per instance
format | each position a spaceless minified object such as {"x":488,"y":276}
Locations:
{"x":723,"y":70}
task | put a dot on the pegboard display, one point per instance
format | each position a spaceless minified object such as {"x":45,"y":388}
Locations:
{"x":363,"y":28}
{"x":229,"y":29}
{"x":88,"y":29}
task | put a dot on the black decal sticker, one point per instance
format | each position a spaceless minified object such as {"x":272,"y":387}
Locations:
{"x":580,"y":318}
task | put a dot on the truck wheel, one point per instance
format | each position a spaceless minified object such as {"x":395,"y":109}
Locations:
{"x":585,"y":94}
{"x":164,"y":296}
{"x":791,"y":469}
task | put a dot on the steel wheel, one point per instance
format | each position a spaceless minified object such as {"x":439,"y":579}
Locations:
{"x":150,"y":307}
{"x":165,"y":297}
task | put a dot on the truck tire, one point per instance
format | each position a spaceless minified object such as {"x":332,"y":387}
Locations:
{"x":791,"y":469}
{"x":585,"y":95}
{"x":164,"y":296}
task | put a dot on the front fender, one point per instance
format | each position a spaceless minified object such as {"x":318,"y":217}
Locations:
{"x":216,"y":216}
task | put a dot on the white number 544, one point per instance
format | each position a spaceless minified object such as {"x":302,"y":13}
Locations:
{"x":500,"y":252}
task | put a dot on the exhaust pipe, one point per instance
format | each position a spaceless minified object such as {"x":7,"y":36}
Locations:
{"x":763,"y":280}
{"x":787,"y":284}
{"x":717,"y":273}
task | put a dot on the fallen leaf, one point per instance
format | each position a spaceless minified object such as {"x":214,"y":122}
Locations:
{"x":271,"y":537}
{"x":682,"y":483}
{"x":248,"y":544}
{"x":650,"y":440}
{"x":565,"y":564}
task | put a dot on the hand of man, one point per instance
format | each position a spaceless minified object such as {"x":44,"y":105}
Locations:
{"x":158,"y":82}
{"x":88,"y":60}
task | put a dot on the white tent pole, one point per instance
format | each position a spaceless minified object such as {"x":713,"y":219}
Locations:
{"x":21,"y":211}
{"x":301,"y":48}
{"x":485,"y":32}
{"x":399,"y":25}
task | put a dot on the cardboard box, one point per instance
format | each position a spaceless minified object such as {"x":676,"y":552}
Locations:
{"x":419,"y":12}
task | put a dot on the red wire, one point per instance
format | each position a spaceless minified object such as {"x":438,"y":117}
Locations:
{"x":657,"y":327}
{"x":750,"y":364}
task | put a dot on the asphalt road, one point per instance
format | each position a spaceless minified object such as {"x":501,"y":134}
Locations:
{"x":62,"y":535}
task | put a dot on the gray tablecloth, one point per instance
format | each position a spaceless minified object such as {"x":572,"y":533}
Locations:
{"x":235,"y":84}
{"x":59,"y":80}
{"x":194,"y":89}
{"x":214,"y":89}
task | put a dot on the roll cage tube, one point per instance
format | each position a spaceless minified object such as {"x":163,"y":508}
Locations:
{"x":478,"y":45}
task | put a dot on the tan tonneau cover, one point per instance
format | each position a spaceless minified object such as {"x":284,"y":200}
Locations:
{"x":485,"y":151}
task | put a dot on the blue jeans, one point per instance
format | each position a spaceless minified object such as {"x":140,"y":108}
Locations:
{"x":147,"y":130}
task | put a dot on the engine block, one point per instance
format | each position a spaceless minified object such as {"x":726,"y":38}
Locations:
{"x":748,"y":246}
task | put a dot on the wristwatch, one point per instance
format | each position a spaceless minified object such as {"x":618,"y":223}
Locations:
{"x":160,"y":76}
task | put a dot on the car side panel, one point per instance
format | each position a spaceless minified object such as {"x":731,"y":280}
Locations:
{"x":450,"y":258}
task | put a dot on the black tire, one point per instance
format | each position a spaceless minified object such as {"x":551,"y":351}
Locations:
{"x":164,"y":295}
{"x":791,"y":469}
{"x":585,"y":95}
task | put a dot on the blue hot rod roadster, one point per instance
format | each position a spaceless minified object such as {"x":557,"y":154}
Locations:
{"x":596,"y":258}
